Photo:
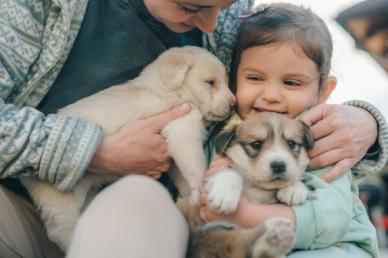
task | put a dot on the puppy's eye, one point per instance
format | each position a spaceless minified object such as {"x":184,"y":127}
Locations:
{"x":256,"y":145}
{"x":210,"y":82}
{"x":291,"y":144}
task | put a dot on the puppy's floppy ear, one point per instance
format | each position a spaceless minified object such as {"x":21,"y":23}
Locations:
{"x":174,"y":67}
{"x":308,"y":138}
{"x":223,"y":140}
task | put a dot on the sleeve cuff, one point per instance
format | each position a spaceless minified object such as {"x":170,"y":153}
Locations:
{"x":305,"y":225}
{"x":373,"y":152}
{"x":372,"y":166}
{"x":68,"y":151}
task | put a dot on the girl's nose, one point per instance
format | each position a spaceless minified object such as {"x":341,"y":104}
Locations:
{"x":207,"y":20}
{"x":271,"y":94}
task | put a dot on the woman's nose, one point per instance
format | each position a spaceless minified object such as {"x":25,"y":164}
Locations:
{"x":207,"y":20}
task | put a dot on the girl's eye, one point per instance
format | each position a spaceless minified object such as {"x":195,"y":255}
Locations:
{"x":291,"y":144}
{"x":292,"y":83}
{"x":190,"y":10}
{"x":256,"y":145}
{"x":210,"y":82}
{"x":254,"y":78}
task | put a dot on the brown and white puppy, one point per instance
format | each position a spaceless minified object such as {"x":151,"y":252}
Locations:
{"x":269,"y":156}
{"x":188,"y":74}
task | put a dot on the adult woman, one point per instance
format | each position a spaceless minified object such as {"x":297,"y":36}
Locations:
{"x":56,"y":52}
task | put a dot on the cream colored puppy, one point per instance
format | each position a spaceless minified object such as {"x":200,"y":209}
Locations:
{"x":188,"y":74}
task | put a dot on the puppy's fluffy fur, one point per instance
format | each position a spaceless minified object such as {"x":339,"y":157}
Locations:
{"x":188,"y":74}
{"x":269,"y":157}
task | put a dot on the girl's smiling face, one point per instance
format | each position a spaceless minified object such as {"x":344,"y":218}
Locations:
{"x":278,"y":78}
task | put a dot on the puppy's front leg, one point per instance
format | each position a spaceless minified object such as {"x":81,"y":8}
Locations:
{"x":294,"y":194}
{"x":224,"y":190}
{"x":184,"y":138}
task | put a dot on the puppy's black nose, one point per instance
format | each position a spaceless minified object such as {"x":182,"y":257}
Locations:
{"x":278,"y":167}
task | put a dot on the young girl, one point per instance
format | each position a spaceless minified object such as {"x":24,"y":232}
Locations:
{"x":281,"y":64}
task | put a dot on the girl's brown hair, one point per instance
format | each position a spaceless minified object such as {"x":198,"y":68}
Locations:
{"x":286,"y":23}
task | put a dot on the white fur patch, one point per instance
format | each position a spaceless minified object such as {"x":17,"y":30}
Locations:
{"x":224,"y":190}
{"x":294,"y":194}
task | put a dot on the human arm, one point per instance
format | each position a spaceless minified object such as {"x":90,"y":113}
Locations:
{"x":20,"y":84}
{"x":138,"y":147}
{"x":247,"y":214}
{"x":343,"y":134}
{"x":56,"y":149}
{"x":334,"y":201}
{"x":313,"y":228}
{"x":50,"y":147}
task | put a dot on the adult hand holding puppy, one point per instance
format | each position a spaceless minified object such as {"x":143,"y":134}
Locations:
{"x":343,"y":135}
{"x":137,"y":148}
{"x":207,"y":213}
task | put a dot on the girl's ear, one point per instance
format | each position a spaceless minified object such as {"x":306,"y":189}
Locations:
{"x":326,"y":91}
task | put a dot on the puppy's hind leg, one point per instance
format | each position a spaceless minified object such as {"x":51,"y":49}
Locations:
{"x":59,"y":211}
{"x":221,"y":239}
{"x":275,"y":240}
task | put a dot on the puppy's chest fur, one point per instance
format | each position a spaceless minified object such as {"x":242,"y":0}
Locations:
{"x":258,"y":195}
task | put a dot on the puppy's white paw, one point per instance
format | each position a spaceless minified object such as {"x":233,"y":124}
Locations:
{"x":294,"y":194}
{"x":277,"y":240}
{"x":224,"y":190}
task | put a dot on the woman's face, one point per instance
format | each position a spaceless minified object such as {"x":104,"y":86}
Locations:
{"x":278,"y":78}
{"x":185,"y":15}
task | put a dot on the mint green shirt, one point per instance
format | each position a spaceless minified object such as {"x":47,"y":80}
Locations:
{"x":332,"y":223}
{"x":333,"y":215}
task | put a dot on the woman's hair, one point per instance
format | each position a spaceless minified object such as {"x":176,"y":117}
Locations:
{"x":289,"y":24}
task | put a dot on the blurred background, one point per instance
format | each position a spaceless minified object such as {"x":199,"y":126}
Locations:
{"x":360,"y":63}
